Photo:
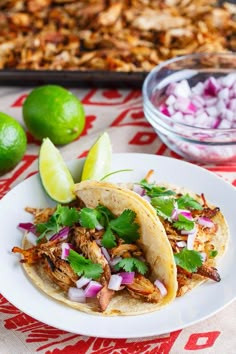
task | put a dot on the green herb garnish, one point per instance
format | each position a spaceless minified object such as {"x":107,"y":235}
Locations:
{"x":189,"y":260}
{"x":83,"y":266}
{"x":153,"y":190}
{"x":131,"y":264}
{"x":183,"y":223}
{"x":163,"y":206}
{"x":213,"y":253}
{"x":124,"y":225}
{"x":187,"y":202}
{"x":63,"y":216}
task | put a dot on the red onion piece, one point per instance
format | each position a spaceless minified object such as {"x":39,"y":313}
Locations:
{"x":92,"y":289}
{"x":65,"y":249}
{"x":81,"y":282}
{"x":205,"y":221}
{"x":99,"y":227}
{"x":115,"y":282}
{"x":138,"y":189}
{"x":105,"y":254}
{"x":181,"y":244}
{"x":114,"y":261}
{"x":27,"y":226}
{"x":191,"y":240}
{"x":77,"y":295}
{"x":127,"y":277}
{"x":209,"y":104}
{"x":161,"y":287}
{"x":62,"y":234}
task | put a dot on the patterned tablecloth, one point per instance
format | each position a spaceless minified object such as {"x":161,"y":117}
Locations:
{"x":119,"y":112}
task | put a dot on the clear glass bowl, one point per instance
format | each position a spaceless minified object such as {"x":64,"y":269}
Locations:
{"x":194,"y":143}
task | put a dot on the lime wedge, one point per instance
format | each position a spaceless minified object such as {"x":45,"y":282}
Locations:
{"x":55,"y":175}
{"x":98,"y":161}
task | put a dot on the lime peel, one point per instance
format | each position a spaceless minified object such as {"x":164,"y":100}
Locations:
{"x":98,"y":161}
{"x":55,"y":175}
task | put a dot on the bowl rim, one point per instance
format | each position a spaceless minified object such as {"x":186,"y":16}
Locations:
{"x":147,"y":101}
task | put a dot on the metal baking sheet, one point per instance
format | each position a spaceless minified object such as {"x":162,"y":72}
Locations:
{"x":73,"y":78}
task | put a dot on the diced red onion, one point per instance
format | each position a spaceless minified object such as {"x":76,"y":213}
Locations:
{"x":186,"y":213}
{"x":99,"y":227}
{"x":92,"y":289}
{"x":161,"y":287}
{"x":27,"y":226}
{"x":81,"y":282}
{"x":77,"y":295}
{"x":65,"y":249}
{"x":105,"y":254}
{"x":138,"y":189}
{"x":204,"y":221}
{"x":181,"y":244}
{"x":115,"y":282}
{"x":127,"y":277}
{"x":62,"y":234}
{"x":115,"y":260}
{"x":191,"y":240}
{"x":209,"y":104}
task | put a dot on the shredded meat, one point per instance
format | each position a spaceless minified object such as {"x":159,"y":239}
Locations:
{"x":142,"y":288}
{"x":128,"y":36}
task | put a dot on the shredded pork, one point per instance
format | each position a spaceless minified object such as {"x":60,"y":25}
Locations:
{"x":126,"y":36}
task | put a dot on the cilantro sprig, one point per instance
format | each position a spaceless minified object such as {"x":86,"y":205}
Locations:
{"x":187,"y":202}
{"x":189,"y":260}
{"x":84,"y":266}
{"x":153,"y":190}
{"x":124,"y":225}
{"x":63,"y":216}
{"x":183,"y":223}
{"x":132,"y":264}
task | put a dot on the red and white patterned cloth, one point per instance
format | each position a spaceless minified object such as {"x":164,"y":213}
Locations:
{"x":120,"y":113}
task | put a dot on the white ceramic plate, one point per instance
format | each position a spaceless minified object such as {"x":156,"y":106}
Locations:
{"x":190,"y":309}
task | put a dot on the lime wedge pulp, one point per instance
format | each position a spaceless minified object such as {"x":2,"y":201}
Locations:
{"x":98,"y":161}
{"x":55,"y":175}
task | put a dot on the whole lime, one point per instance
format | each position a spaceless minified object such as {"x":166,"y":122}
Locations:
{"x":51,"y":111}
{"x":13,"y":143}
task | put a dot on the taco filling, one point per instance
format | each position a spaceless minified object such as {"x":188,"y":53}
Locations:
{"x":94,"y":255}
{"x":197,"y":231}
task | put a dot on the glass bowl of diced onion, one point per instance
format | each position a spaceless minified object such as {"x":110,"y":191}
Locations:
{"x":191,"y":103}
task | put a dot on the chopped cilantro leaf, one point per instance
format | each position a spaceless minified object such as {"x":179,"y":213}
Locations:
{"x":213,"y":253}
{"x":108,"y":239}
{"x":132,"y":264}
{"x":125,"y":227}
{"x":83,"y":266}
{"x":189,"y":260}
{"x":164,"y":206}
{"x":105,"y":215}
{"x":183,"y":223}
{"x":187,"y":202}
{"x":153,"y":190}
{"x":63,"y":216}
{"x":89,"y":218}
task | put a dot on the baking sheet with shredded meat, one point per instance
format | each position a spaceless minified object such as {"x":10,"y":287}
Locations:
{"x":76,"y":42}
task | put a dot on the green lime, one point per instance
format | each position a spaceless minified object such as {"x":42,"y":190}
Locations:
{"x":98,"y":161}
{"x":51,"y":111}
{"x":13,"y":143}
{"x":55,"y":175}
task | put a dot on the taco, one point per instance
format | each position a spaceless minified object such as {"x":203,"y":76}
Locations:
{"x":104,"y":253}
{"x":196,"y":229}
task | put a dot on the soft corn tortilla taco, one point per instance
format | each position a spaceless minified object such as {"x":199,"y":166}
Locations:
{"x":50,"y":273}
{"x":209,"y":239}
